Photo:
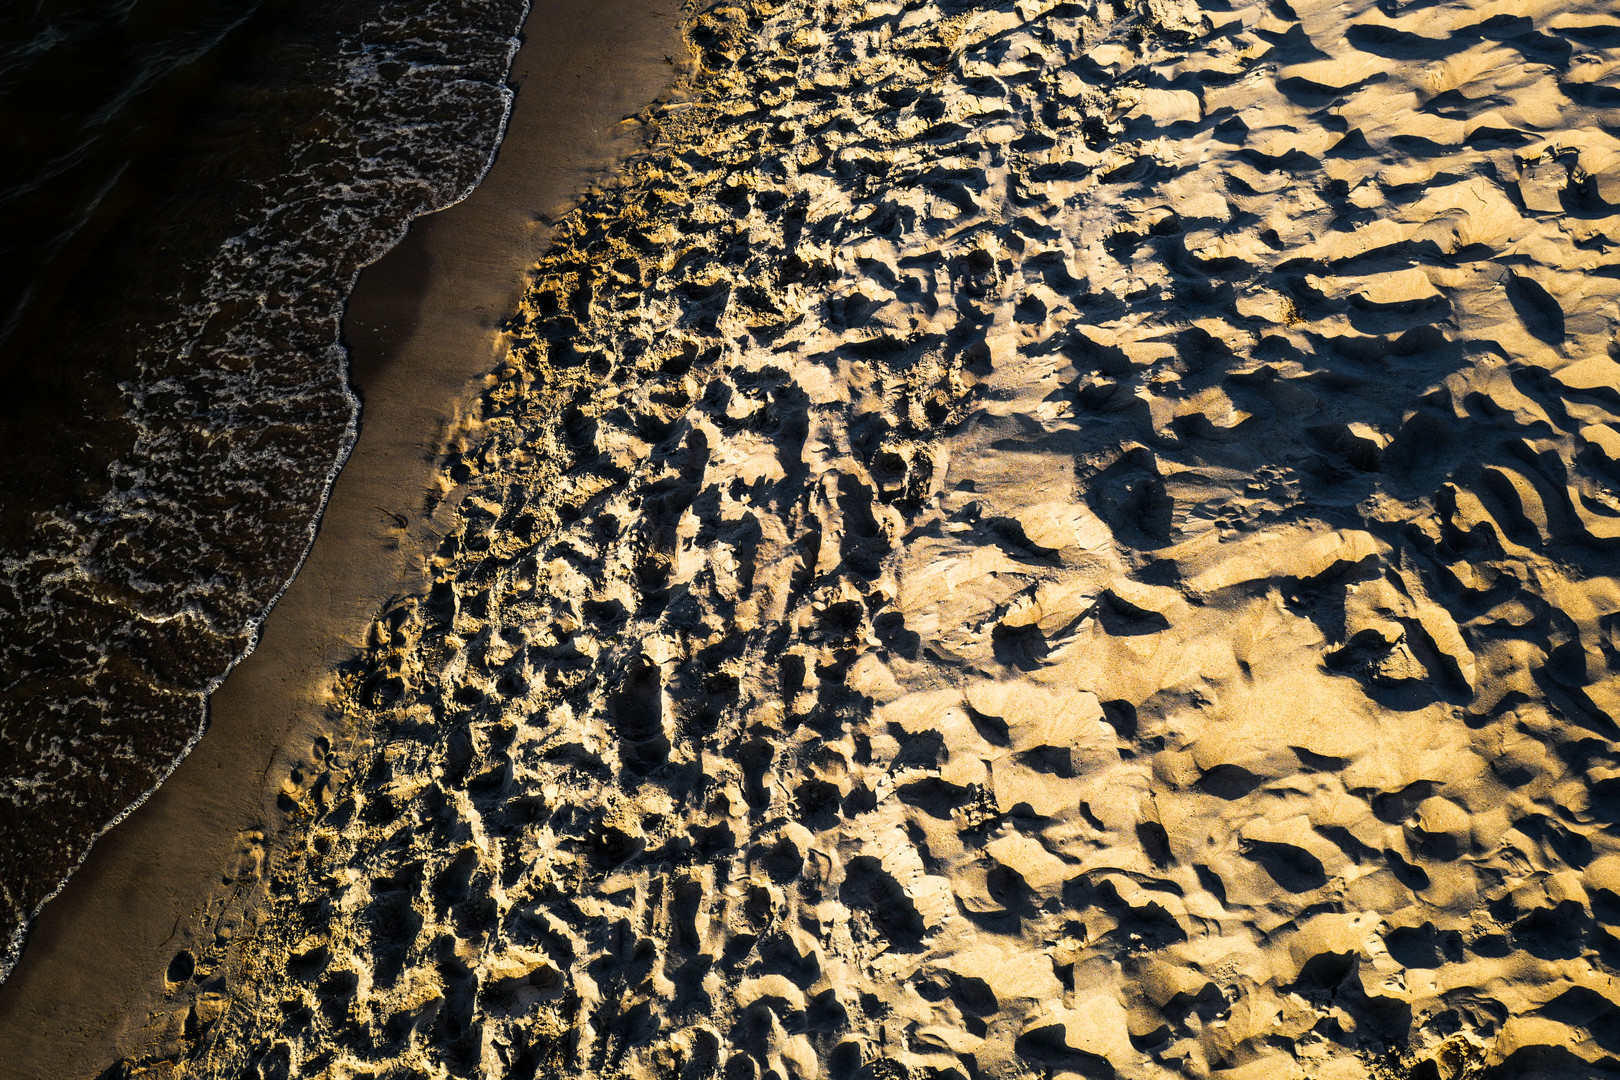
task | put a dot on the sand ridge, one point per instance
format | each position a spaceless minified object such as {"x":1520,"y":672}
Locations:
{"x":1022,"y":539}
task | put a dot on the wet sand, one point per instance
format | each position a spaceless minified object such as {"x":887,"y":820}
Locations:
{"x":422,"y":325}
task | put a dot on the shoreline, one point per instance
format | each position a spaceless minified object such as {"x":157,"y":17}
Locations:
{"x":421,"y":325}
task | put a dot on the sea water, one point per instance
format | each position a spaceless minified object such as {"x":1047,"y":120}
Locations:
{"x":188,"y":190}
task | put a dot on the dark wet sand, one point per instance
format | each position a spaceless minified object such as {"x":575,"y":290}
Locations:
{"x":422,"y":328}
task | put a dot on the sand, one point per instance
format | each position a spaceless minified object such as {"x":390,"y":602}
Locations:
{"x":422,"y":326}
{"x":1020,"y":539}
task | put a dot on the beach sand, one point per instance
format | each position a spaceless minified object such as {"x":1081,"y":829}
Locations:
{"x":1018,"y":540}
{"x":1027,"y":539}
{"x":422,"y":326}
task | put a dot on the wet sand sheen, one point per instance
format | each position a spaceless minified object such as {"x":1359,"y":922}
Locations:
{"x":422,"y":326}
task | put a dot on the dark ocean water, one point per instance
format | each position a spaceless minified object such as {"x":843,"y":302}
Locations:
{"x":188,"y":189}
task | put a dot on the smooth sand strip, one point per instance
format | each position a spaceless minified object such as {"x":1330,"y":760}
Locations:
{"x":422,"y":326}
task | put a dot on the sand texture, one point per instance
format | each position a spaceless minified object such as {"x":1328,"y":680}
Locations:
{"x":1021,"y":540}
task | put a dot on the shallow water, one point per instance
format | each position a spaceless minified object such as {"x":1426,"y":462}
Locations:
{"x":191,"y":192}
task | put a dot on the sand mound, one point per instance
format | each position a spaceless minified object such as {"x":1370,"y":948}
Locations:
{"x":1026,"y":539}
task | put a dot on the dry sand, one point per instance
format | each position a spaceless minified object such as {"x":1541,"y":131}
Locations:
{"x":1025,"y":539}
{"x":182,"y":873}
